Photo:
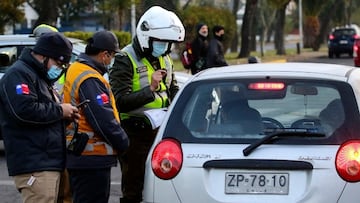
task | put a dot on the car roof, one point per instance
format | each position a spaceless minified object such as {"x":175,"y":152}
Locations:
{"x":28,"y":39}
{"x":296,"y":70}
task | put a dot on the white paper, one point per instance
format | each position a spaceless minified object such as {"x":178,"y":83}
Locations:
{"x":155,"y":116}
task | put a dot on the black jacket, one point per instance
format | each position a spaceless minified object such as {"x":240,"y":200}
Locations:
{"x":121,"y":75}
{"x":101,"y":118}
{"x":215,"y":55}
{"x":31,"y":119}
{"x":199,"y":50}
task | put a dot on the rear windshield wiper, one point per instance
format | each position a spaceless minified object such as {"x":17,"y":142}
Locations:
{"x":290,"y":132}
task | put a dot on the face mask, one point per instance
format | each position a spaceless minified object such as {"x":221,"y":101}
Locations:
{"x":159,"y":48}
{"x":111,"y":63}
{"x":54,"y":72}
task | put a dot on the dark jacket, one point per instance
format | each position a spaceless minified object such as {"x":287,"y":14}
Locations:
{"x":99,"y":117}
{"x":31,"y":119}
{"x":121,"y":75}
{"x":199,"y":49}
{"x":215,"y":55}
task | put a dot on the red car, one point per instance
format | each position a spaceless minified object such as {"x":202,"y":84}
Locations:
{"x":356,"y":55}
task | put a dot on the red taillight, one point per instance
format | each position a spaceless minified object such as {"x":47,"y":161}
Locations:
{"x":167,"y":158}
{"x":348,"y":161}
{"x":266,"y":86}
{"x":356,"y":36}
{"x":331,"y":37}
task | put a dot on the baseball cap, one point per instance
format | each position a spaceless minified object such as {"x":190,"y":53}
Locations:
{"x":54,"y":45}
{"x":105,"y":40}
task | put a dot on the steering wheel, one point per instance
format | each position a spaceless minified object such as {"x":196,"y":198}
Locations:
{"x":271,"y":123}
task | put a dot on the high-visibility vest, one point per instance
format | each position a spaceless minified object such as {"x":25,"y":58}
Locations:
{"x":76,"y":74}
{"x":142,"y":72}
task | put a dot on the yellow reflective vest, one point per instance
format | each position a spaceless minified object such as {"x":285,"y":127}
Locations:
{"x":142,"y":72}
{"x":76,"y":74}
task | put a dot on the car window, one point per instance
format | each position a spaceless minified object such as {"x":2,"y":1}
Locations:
{"x":251,"y":109}
{"x":340,"y":32}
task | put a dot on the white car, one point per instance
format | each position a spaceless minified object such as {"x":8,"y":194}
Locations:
{"x":12,"y":45}
{"x":260,"y":133}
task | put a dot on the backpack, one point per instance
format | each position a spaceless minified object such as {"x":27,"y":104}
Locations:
{"x":186,"y":56}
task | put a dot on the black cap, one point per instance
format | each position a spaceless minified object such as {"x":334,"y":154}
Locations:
{"x":199,"y":26}
{"x":217,"y":28}
{"x":54,"y":45}
{"x":105,"y":40}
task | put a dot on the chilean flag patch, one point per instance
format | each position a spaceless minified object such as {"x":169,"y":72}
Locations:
{"x":102,"y":99}
{"x":22,"y":89}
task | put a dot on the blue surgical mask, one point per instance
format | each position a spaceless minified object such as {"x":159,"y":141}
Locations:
{"x":54,"y":72}
{"x":159,"y":48}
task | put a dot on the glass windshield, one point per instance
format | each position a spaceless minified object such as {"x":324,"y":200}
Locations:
{"x":252,"y":109}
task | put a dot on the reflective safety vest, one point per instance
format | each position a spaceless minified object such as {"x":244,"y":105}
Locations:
{"x":142,"y":72}
{"x":76,"y":74}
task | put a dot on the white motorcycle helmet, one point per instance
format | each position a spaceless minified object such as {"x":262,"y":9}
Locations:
{"x":160,"y":24}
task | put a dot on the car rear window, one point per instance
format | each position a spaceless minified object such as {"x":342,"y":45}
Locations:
{"x":340,"y":32}
{"x":243,"y":110}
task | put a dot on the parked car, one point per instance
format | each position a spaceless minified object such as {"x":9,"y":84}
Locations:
{"x":16,"y":43}
{"x":341,"y":41}
{"x":12,"y":45}
{"x":356,"y":54}
{"x":275,"y":132}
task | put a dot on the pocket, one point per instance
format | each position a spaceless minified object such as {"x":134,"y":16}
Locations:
{"x":78,"y":143}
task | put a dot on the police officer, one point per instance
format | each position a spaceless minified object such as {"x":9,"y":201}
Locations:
{"x":90,"y":172}
{"x":142,"y":78}
{"x":33,"y":120}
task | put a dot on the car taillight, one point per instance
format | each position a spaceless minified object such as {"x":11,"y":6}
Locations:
{"x":266,"y":86}
{"x":331,"y":37}
{"x":167,"y":159}
{"x":348,"y":161}
{"x":356,"y":36}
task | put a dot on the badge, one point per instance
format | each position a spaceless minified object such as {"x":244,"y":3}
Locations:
{"x":141,"y":69}
{"x":22,"y":89}
{"x":102,"y":99}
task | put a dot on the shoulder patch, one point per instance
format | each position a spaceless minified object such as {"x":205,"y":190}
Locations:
{"x":22,"y":89}
{"x":102,"y":99}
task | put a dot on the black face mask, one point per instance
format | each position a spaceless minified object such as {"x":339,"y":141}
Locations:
{"x":221,"y":37}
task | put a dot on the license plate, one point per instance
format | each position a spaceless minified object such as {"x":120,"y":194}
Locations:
{"x":256,"y":183}
{"x":343,"y":41}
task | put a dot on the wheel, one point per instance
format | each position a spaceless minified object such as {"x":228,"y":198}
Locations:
{"x":271,"y":123}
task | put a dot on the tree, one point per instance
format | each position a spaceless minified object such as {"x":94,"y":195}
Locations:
{"x":246,"y":28}
{"x":311,"y":23}
{"x":327,"y":14}
{"x":280,"y":6}
{"x":10,"y":12}
{"x":47,"y":11}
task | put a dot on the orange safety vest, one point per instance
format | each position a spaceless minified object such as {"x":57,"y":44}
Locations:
{"x":76,"y":74}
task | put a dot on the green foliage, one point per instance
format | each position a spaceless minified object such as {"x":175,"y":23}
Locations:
{"x":10,"y":12}
{"x":210,"y":16}
{"x":124,"y":38}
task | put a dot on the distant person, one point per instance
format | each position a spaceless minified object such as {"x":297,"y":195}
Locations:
{"x":199,"y":48}
{"x":216,"y":52}
{"x":33,"y":120}
{"x":43,"y":28}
